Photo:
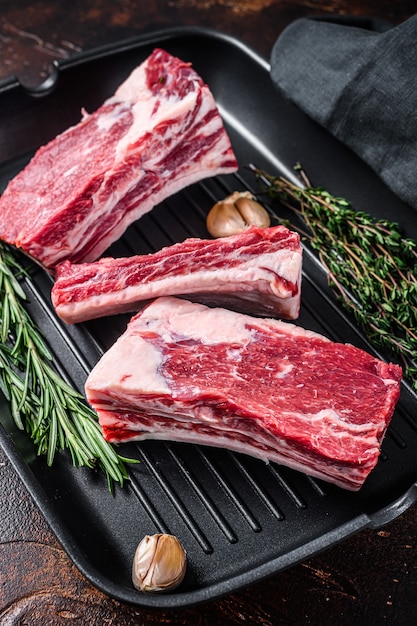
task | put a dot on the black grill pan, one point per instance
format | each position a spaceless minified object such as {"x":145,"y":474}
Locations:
{"x":239,"y":518}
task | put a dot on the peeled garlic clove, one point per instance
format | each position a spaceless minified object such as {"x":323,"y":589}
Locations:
{"x":235,"y":213}
{"x":159,"y":563}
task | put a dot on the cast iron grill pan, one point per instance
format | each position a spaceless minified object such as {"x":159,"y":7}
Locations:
{"x":240,"y":519}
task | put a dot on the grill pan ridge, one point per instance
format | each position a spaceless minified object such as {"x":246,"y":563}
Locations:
{"x":239,"y":518}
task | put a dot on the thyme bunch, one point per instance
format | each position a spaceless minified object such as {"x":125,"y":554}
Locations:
{"x":53,"y":413}
{"x":370,"y":265}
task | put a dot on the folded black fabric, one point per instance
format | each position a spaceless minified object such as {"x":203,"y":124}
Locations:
{"x":358,"y":79}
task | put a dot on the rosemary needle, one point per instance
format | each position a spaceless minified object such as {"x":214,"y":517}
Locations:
{"x":370,"y":265}
{"x":42,"y":403}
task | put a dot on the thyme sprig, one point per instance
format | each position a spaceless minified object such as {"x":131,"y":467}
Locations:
{"x":370,"y":265}
{"x":42,"y":403}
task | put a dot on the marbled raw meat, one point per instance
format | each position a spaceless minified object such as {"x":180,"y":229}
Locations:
{"x":268,"y":388}
{"x":160,"y":132}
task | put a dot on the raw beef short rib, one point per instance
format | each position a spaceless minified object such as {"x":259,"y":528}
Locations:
{"x":186,"y":372}
{"x":160,"y":132}
{"x":256,"y":271}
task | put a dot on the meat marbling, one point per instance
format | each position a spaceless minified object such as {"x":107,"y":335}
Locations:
{"x":183,"y":371}
{"x":159,"y":132}
{"x":256,"y":271}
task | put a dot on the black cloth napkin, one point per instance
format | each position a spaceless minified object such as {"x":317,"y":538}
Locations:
{"x":357,"y":78}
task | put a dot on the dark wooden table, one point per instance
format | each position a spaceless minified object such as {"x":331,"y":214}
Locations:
{"x":370,"y":578}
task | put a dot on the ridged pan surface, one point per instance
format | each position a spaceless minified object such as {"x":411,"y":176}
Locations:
{"x":239,"y":518}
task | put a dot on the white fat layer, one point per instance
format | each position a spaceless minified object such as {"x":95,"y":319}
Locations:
{"x":218,"y":325}
{"x":129,"y":367}
{"x":170,"y":318}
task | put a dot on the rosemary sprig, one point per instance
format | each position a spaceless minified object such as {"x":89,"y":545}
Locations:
{"x":53,"y":413}
{"x":370,"y":265}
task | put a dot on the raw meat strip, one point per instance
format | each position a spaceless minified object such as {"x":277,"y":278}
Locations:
{"x":160,"y":132}
{"x":186,"y":372}
{"x":257,"y":271}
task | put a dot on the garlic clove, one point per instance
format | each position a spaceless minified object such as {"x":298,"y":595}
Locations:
{"x":159,"y":563}
{"x":252,"y":212}
{"x":235,"y":213}
{"x":224,"y":220}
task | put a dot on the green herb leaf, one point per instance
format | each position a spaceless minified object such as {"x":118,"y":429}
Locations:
{"x":42,"y":403}
{"x":370,"y":265}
